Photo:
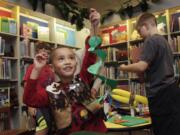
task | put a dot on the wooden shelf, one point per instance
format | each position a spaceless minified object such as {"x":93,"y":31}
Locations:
{"x":135,"y":41}
{"x":175,"y":33}
{"x":9,"y":35}
{"x":10,"y":58}
{"x":68,"y":46}
{"x":37,"y":40}
{"x":120,"y":44}
{"x":115,"y":62}
{"x":8,"y":80}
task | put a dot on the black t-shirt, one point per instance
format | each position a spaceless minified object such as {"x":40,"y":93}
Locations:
{"x":157,"y":53}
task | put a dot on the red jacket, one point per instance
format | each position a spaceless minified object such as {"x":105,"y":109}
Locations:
{"x":35,"y":94}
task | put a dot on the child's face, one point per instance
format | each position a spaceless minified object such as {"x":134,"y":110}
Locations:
{"x":143,"y":31}
{"x":64,"y":62}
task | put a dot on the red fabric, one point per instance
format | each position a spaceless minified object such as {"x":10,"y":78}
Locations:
{"x":92,"y":124}
{"x":35,"y":94}
{"x":89,"y":59}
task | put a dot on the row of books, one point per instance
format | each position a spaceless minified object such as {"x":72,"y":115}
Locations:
{"x":4,"y":96}
{"x":135,"y":52}
{"x":115,"y":73}
{"x":175,"y":22}
{"x":27,"y":49}
{"x":175,"y":44}
{"x":8,"y":25}
{"x":33,"y":30}
{"x":7,"y":68}
{"x":23,"y":68}
{"x":137,"y":88}
{"x":176,"y":67}
{"x":115,"y":54}
{"x":6,"y":48}
{"x":4,"y":121}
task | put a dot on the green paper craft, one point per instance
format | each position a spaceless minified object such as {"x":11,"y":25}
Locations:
{"x":110,"y":82}
{"x":132,"y":121}
{"x":94,"y":41}
{"x":100,"y":53}
{"x":94,"y":69}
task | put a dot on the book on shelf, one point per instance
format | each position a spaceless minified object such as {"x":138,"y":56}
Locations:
{"x":4,"y":96}
{"x":12,"y":26}
{"x":175,"y":22}
{"x":23,"y":68}
{"x":176,"y":67}
{"x":2,"y":46}
{"x":137,"y":88}
{"x":26,"y":30}
{"x":32,"y":49}
{"x":115,"y":54}
{"x":6,"y":70}
{"x":43,"y":33}
{"x":135,"y":52}
{"x":34,"y":27}
{"x":27,"y":49}
{"x":9,"y":49}
{"x":175,"y":44}
{"x":6,"y":49}
{"x":4,"y":24}
{"x":105,"y":39}
{"x":113,"y":72}
{"x":65,"y":35}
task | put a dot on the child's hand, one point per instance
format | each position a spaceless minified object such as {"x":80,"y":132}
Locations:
{"x":32,"y":111}
{"x":40,"y":60}
{"x":122,"y":66}
{"x":93,"y":93}
{"x":94,"y":17}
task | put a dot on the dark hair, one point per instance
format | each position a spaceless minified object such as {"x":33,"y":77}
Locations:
{"x":146,"y":18}
{"x":42,"y":45}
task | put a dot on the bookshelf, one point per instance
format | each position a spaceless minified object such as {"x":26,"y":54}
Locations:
{"x":17,"y":26}
{"x":130,"y":44}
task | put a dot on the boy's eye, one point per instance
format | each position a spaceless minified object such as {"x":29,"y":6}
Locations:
{"x":61,"y":59}
{"x":72,"y":57}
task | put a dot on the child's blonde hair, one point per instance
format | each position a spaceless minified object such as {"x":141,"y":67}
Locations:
{"x":144,"y":19}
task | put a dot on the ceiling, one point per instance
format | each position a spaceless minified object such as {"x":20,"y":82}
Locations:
{"x":103,"y":5}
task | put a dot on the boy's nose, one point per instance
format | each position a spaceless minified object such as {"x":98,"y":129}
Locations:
{"x":67,"y":61}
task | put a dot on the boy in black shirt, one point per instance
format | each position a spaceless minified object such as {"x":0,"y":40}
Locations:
{"x":157,"y":63}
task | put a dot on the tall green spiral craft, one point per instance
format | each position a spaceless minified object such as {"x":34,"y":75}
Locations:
{"x":94,"y":69}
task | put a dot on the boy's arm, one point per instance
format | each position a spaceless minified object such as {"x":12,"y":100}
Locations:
{"x":36,"y":96}
{"x":138,"y":67}
{"x":89,"y":57}
{"x":150,"y":50}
